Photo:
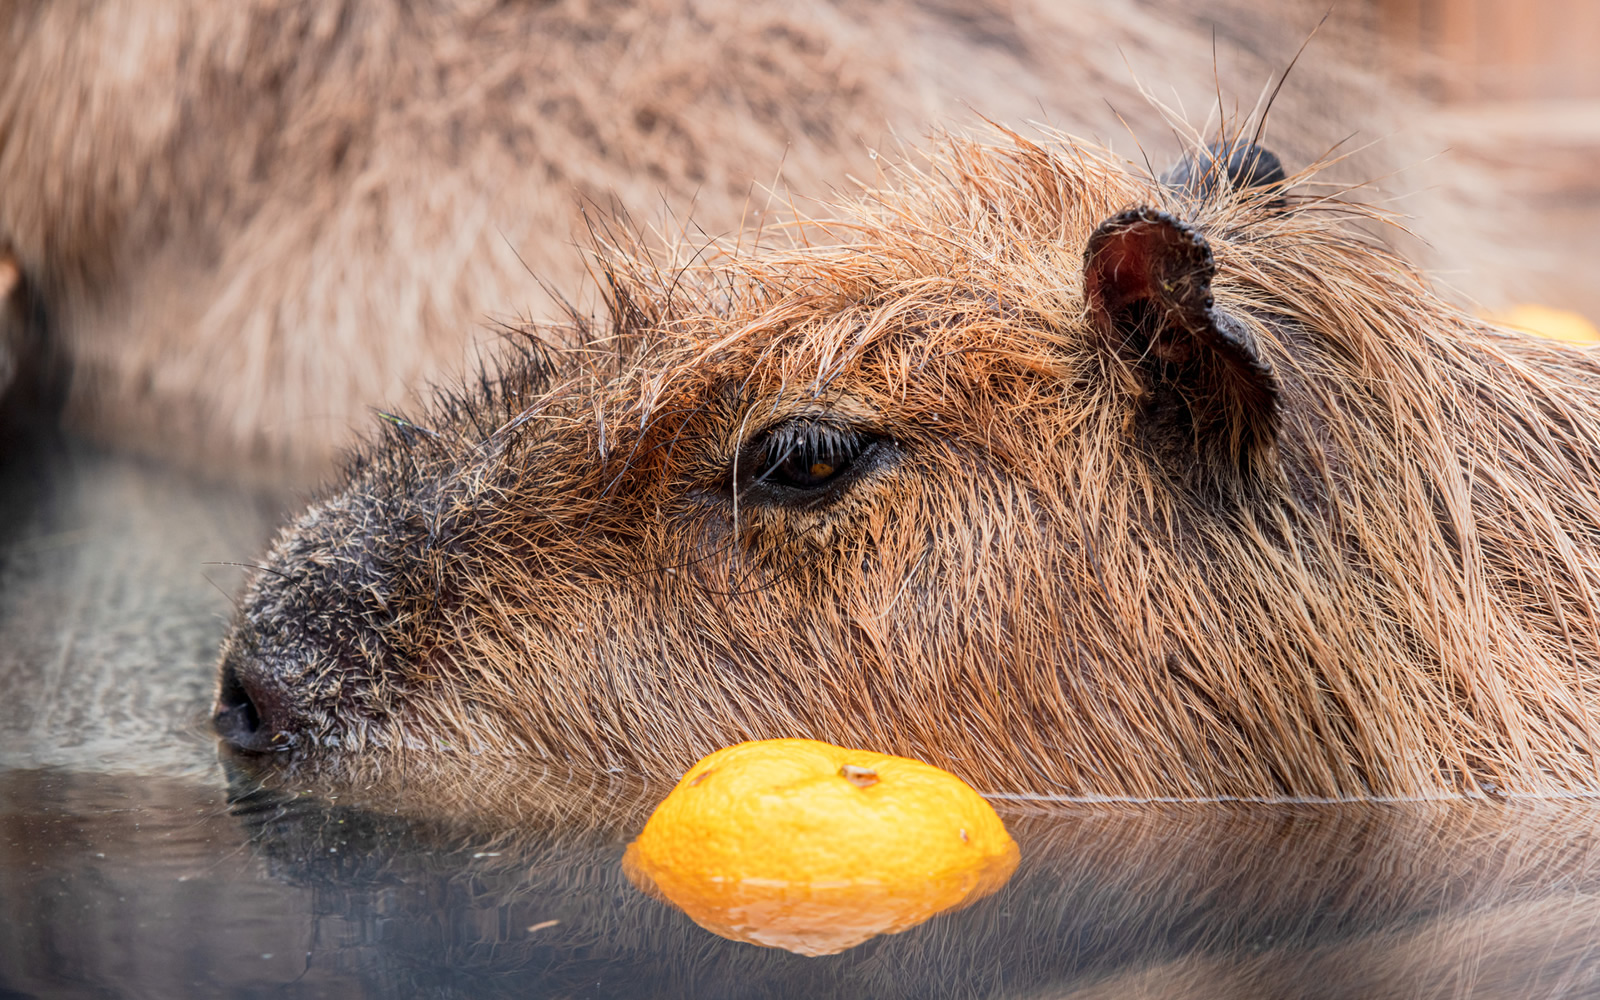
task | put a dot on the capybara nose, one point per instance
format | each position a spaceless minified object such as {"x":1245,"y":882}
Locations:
{"x":250,"y":714}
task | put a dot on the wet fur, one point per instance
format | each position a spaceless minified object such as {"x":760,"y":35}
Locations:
{"x":1396,"y":596}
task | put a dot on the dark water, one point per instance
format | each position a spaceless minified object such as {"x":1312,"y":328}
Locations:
{"x":136,"y":862}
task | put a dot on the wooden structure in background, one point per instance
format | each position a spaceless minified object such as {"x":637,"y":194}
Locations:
{"x":1515,"y":86}
{"x":1499,"y":50}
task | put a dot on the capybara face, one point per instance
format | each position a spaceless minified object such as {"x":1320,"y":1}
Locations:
{"x":1031,"y":466}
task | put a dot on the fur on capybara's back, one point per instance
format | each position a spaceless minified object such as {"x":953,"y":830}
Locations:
{"x":1027,"y":465}
{"x":250,"y":222}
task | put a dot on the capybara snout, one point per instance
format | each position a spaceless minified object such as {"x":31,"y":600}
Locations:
{"x":1028,"y":465}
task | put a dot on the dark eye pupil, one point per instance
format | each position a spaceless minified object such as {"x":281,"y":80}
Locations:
{"x":803,"y":472}
{"x":808,"y":457}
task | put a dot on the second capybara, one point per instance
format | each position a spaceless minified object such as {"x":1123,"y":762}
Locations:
{"x":251,"y":222}
{"x":1026,"y":464}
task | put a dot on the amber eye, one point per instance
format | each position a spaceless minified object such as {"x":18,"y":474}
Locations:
{"x":808,"y":457}
{"x":802,"y":472}
{"x":805,"y":461}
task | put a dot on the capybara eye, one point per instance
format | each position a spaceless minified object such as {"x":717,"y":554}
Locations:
{"x":802,"y":471}
{"x":805,"y":461}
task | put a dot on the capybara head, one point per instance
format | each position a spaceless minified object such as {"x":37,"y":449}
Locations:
{"x":1028,"y":465}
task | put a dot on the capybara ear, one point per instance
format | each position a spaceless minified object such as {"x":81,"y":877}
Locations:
{"x":1147,"y":279}
{"x":32,"y":373}
{"x":10,"y":322}
{"x":1234,"y":165}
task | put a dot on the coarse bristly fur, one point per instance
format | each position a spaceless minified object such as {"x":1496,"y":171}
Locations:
{"x":1386,"y":587}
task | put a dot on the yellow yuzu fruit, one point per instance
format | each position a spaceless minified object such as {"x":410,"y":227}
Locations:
{"x":1552,"y":324}
{"x":812,"y":847}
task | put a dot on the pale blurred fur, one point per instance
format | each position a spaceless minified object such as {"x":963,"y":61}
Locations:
{"x":251,"y":223}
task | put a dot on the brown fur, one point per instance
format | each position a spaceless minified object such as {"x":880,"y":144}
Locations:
{"x":1395,"y":596}
{"x":251,"y":223}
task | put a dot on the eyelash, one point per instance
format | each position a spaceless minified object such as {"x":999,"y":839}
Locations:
{"x":804,"y":462}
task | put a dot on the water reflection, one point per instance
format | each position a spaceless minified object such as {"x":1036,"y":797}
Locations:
{"x":813,"y":917}
{"x":815,"y":848}
{"x":112,"y":605}
{"x":398,"y":888}
{"x":145,"y":871}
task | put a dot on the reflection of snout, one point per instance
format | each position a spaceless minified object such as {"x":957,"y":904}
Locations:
{"x":252,"y":712}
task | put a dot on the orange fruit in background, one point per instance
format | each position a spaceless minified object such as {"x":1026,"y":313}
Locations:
{"x":1551,"y":324}
{"x":815,"y":848}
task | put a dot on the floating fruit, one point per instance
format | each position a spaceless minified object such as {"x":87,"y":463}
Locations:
{"x":815,"y":848}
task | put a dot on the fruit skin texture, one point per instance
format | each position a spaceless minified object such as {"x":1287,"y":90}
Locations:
{"x":815,"y":848}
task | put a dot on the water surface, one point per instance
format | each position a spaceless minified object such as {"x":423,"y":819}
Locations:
{"x":134,"y":861}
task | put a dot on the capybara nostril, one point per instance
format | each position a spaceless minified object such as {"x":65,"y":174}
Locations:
{"x":244,"y":713}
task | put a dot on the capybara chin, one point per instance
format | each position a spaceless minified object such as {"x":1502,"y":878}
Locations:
{"x":1029,"y":465}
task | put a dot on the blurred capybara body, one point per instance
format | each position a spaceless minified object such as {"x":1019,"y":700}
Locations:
{"x":251,"y":223}
{"x":1029,"y":465}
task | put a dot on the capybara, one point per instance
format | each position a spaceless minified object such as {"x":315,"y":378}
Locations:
{"x":1025,"y":464}
{"x":250,"y":222}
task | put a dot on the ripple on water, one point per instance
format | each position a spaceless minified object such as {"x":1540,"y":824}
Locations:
{"x":131,"y":864}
